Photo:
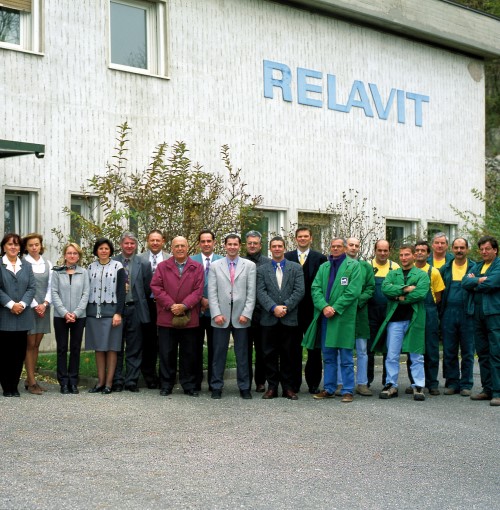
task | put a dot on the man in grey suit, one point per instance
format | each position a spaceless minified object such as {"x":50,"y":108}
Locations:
{"x":280,"y":288}
{"x":154,"y":255}
{"x":138,"y":278}
{"x":231,"y":297}
{"x":206,"y":242}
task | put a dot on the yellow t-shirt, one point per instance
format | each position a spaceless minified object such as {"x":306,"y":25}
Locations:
{"x":384,"y":269}
{"x":458,"y":272}
{"x":437,"y":284}
{"x":438,"y":264}
{"x":485,"y":268}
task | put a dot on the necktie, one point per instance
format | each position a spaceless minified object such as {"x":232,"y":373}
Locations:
{"x":153,"y":266}
{"x":125,"y":266}
{"x":302,"y":258}
{"x":231,"y":272}
{"x":207,"y":266}
{"x":279,"y":275}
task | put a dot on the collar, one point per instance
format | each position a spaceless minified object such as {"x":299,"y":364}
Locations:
{"x":34,"y":262}
{"x":276,"y":264}
{"x":306,"y":253}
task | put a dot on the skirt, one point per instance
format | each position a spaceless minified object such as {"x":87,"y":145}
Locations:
{"x":42,"y":324}
{"x":100,"y":335}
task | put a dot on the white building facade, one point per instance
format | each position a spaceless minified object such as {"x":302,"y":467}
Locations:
{"x":313,"y":97}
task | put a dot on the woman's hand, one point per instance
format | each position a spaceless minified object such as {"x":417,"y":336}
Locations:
{"x":117,"y":320}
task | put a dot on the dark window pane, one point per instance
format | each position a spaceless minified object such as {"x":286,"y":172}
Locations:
{"x":128,"y":35}
{"x":10,"y":26}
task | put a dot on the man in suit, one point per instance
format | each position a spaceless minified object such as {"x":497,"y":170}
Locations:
{"x":335,"y":292}
{"x":310,"y":261}
{"x":254,"y":253}
{"x":154,"y":255}
{"x":231,"y":297}
{"x":280,"y":288}
{"x":206,"y":242}
{"x":136,"y":313}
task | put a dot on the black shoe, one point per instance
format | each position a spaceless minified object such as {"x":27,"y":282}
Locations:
{"x":96,"y":389}
{"x":245,"y":394}
{"x":216,"y":394}
{"x":65,"y":389}
{"x":191,"y":393}
{"x":132,"y":388}
{"x":74,"y":389}
{"x":15,"y":393}
{"x":314,"y":390}
{"x":8,"y":394}
{"x":107,"y":390}
{"x":165,"y":392}
{"x":117,"y":388}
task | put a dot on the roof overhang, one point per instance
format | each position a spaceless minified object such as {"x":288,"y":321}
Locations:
{"x":10,"y":148}
{"x":438,"y":22}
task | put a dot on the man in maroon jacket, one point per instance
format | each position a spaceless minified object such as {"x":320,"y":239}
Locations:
{"x":177,"y":286}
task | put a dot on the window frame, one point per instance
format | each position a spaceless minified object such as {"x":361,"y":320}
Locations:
{"x":90,"y":210}
{"x":156,"y":38}
{"x":409,"y":229}
{"x":26,"y":213}
{"x":31,"y":30}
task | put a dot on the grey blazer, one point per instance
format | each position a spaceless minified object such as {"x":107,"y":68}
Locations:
{"x":140,"y":282}
{"x":70,"y":297}
{"x":290,"y":294}
{"x":17,"y":287}
{"x":243,"y":292}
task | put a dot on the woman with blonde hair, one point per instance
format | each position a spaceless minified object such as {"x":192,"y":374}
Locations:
{"x":40,"y":306}
{"x":70,"y":295}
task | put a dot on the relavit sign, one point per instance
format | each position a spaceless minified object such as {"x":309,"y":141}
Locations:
{"x":311,"y":92}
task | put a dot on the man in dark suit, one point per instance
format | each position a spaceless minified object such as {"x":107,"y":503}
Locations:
{"x":280,"y":288}
{"x":154,"y":255}
{"x":310,"y":261}
{"x":138,"y":277}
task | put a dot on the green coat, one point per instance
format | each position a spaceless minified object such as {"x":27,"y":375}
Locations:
{"x":414,"y":339}
{"x":343,"y":298}
{"x":367,"y":291}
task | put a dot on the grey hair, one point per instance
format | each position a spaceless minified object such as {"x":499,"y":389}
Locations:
{"x":130,"y":235}
{"x":253,"y":233}
{"x":343,"y":239}
{"x":440,"y":234}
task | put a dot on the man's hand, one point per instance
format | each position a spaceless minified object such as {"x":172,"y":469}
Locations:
{"x":243,"y":319}
{"x":409,"y":288}
{"x":220,"y":320}
{"x":328,"y":311}
{"x":204,"y":304}
{"x":280,"y":311}
{"x":178,"y":309}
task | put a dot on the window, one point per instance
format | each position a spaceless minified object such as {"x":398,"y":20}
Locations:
{"x":434,"y":228}
{"x":20,"y":25}
{"x":20,"y":212}
{"x":398,"y":232}
{"x":138,"y":36}
{"x":84,"y":210}
{"x":268,"y":223}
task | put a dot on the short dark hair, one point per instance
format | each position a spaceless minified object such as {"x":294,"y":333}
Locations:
{"x":407,"y":246}
{"x":300,"y":229}
{"x":155,"y":231}
{"x":276,"y":238}
{"x":7,"y":237}
{"x":488,"y":239}
{"x":103,"y":240}
{"x":232,"y":236}
{"x":423,"y":242}
{"x":206,"y":231}
{"x":29,"y":237}
{"x":463,"y":239}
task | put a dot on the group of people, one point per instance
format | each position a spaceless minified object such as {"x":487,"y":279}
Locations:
{"x":138,"y":308}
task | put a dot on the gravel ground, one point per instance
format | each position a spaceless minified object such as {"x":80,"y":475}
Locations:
{"x":144,"y":451}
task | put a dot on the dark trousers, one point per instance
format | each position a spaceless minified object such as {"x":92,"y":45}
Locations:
{"x":255,"y":341}
{"x":132,"y":347}
{"x":67,"y":372}
{"x":487,"y":342}
{"x":205,"y":328}
{"x":221,"y":344}
{"x":12,"y":352}
{"x":278,"y":342}
{"x":150,"y":346}
{"x":457,"y":330}
{"x":171,"y":342}
{"x":376,"y":316}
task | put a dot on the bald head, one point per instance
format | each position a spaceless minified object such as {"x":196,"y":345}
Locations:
{"x":180,"y":249}
{"x":353,"y":246}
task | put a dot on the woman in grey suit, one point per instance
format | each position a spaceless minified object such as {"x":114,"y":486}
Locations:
{"x":17,"y":290}
{"x":70,"y":295}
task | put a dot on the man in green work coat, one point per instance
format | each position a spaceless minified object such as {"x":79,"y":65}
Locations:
{"x":335,"y":292}
{"x":406,"y":289}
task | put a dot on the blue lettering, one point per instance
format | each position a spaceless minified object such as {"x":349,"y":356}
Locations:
{"x":284,"y":83}
{"x":358,"y":87}
{"x":331,"y":83}
{"x":383,"y":113}
{"x":419,"y":99}
{"x":401,"y":107}
{"x":303,"y":87}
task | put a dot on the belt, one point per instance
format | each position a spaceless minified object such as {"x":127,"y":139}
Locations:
{"x":130,"y":303}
